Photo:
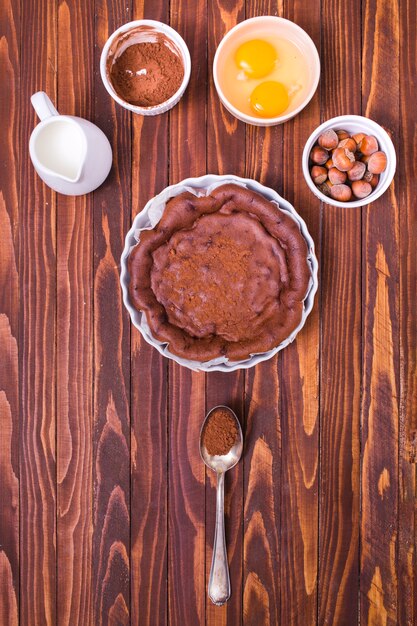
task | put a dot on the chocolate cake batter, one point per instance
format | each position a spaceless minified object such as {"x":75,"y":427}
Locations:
{"x":224,"y":274}
{"x":147,"y":73}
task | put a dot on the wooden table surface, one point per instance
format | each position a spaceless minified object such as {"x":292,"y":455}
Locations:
{"x":107,"y":512}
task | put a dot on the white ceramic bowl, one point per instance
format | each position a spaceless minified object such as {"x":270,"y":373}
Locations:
{"x":282,"y":28}
{"x":150,"y":216}
{"x":150,"y":28}
{"x":353,"y":124}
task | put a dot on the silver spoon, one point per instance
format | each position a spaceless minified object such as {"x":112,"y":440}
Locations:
{"x":219,"y":582}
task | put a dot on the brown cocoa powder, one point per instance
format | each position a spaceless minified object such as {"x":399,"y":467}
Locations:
{"x":220,"y":432}
{"x":147,"y":74}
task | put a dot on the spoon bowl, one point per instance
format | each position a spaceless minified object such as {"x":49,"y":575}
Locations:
{"x":219,"y":582}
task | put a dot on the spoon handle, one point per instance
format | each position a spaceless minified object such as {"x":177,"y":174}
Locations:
{"x":219,"y":583}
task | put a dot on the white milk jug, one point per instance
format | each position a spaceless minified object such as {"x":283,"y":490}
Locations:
{"x":70,"y":154}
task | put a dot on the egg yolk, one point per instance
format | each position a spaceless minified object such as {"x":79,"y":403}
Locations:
{"x":256,"y":58}
{"x":269,"y":99}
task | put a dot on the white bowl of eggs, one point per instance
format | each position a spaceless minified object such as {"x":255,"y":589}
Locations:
{"x":266,"y":70}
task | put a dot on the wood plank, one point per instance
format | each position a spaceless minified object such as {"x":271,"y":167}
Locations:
{"x":225,"y":155}
{"x":149,"y":409}
{"x":262,"y":476}
{"x":340,"y":378}
{"x":186,"y":535}
{"x":37,"y":360}
{"x":299,"y":383}
{"x":380,"y":410}
{"x":74,"y":337}
{"x":262,"y":452}
{"x":111,"y":456}
{"x":186,"y":501}
{"x":407,"y":172}
{"x":9,"y":317}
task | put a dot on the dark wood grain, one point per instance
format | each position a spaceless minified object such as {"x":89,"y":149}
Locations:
{"x":74,"y":338}
{"x":262,"y":512}
{"x":149,"y":385}
{"x":9,"y":318}
{"x":225,"y":155}
{"x":407,"y":220}
{"x":111,"y":456}
{"x":37,"y":333}
{"x":186,"y":500}
{"x":380,"y":404}
{"x":107,"y":512}
{"x":299,"y":383}
{"x":340,"y":372}
{"x":262,"y":460}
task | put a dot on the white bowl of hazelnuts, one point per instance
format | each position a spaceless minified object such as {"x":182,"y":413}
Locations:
{"x":349,"y":161}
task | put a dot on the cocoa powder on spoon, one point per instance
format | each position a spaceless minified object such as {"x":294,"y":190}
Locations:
{"x":147,"y":73}
{"x":220,"y":432}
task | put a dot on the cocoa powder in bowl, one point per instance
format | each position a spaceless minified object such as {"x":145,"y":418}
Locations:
{"x":220,"y":432}
{"x":147,"y":71}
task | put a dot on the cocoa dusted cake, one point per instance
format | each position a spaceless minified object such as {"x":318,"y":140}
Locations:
{"x":220,"y":275}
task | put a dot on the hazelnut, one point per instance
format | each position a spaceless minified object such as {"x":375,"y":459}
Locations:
{"x":343,"y":193}
{"x":319,"y":155}
{"x":361,"y":188}
{"x":325,"y":187}
{"x":368,"y":145}
{"x":358,"y":137}
{"x":357,"y":171}
{"x":343,"y":159}
{"x":365,"y":158}
{"x":374,"y":180}
{"x":328,"y":139}
{"x":329,"y":164}
{"x":348,"y":143}
{"x":336,"y":177}
{"x":342,"y":134}
{"x":318,"y":174}
{"x":377,"y":162}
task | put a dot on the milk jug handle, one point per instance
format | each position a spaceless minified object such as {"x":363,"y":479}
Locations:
{"x":42,"y":105}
